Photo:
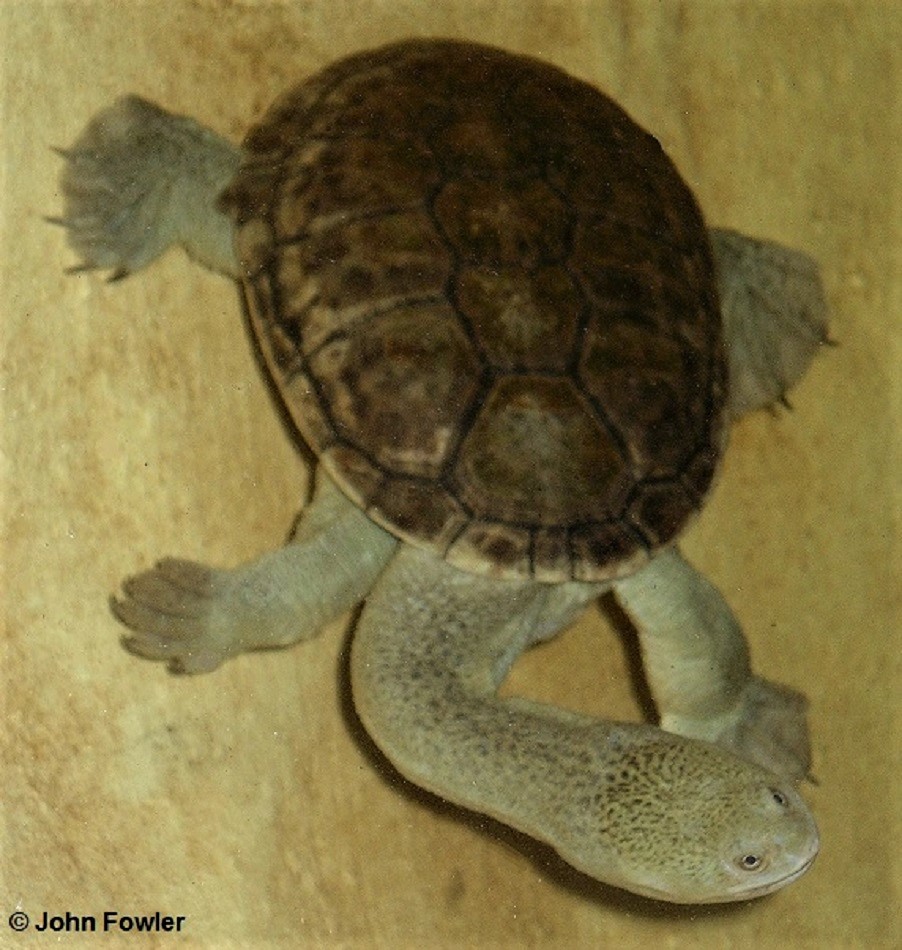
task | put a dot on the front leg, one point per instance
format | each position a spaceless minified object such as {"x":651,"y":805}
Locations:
{"x":697,"y":664}
{"x":195,"y":617}
{"x":140,"y":179}
{"x":774,"y":316}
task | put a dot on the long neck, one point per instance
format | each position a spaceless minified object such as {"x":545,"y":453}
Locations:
{"x":430,"y":651}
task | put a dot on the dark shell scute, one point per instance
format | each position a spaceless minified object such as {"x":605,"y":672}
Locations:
{"x":523,"y":320}
{"x":650,"y":405}
{"x":380,"y":401}
{"x":492,"y":223}
{"x":504,"y":546}
{"x":613,"y":542}
{"x":412,"y":507}
{"x":324,"y":185}
{"x":537,"y":453}
{"x":659,"y":510}
{"x":330,"y":280}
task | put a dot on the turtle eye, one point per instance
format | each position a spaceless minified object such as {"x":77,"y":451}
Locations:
{"x":750,"y":862}
{"x":779,"y":797}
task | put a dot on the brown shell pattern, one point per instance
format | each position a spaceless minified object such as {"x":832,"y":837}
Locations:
{"x":487,"y":299}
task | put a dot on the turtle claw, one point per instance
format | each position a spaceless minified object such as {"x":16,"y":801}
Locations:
{"x":174,"y":611}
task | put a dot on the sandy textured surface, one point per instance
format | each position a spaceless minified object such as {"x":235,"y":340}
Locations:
{"x":134,"y":425}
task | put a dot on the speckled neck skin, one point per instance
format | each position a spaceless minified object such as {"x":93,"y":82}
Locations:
{"x":661,"y":815}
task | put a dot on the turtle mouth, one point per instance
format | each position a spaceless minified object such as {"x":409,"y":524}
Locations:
{"x":793,"y":875}
{"x":741,"y":892}
{"x":775,"y":884}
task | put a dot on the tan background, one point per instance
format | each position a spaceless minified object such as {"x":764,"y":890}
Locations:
{"x":135,"y":425}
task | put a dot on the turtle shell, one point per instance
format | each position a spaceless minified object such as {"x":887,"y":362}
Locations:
{"x":488,"y":301}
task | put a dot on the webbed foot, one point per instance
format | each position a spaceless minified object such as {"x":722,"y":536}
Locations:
{"x":775,"y":316}
{"x":183,"y":613}
{"x":772,"y":729}
{"x":139,"y":179}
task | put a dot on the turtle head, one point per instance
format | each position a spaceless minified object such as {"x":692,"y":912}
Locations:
{"x":691,"y":823}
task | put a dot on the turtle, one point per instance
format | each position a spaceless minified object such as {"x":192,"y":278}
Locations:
{"x":514,"y":350}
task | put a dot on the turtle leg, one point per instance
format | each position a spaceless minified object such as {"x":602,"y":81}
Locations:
{"x":195,"y":617}
{"x":697,"y":664}
{"x":139,"y":179}
{"x":774,"y":313}
{"x":630,"y":804}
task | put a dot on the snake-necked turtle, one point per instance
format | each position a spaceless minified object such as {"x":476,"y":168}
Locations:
{"x":493,"y":311}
